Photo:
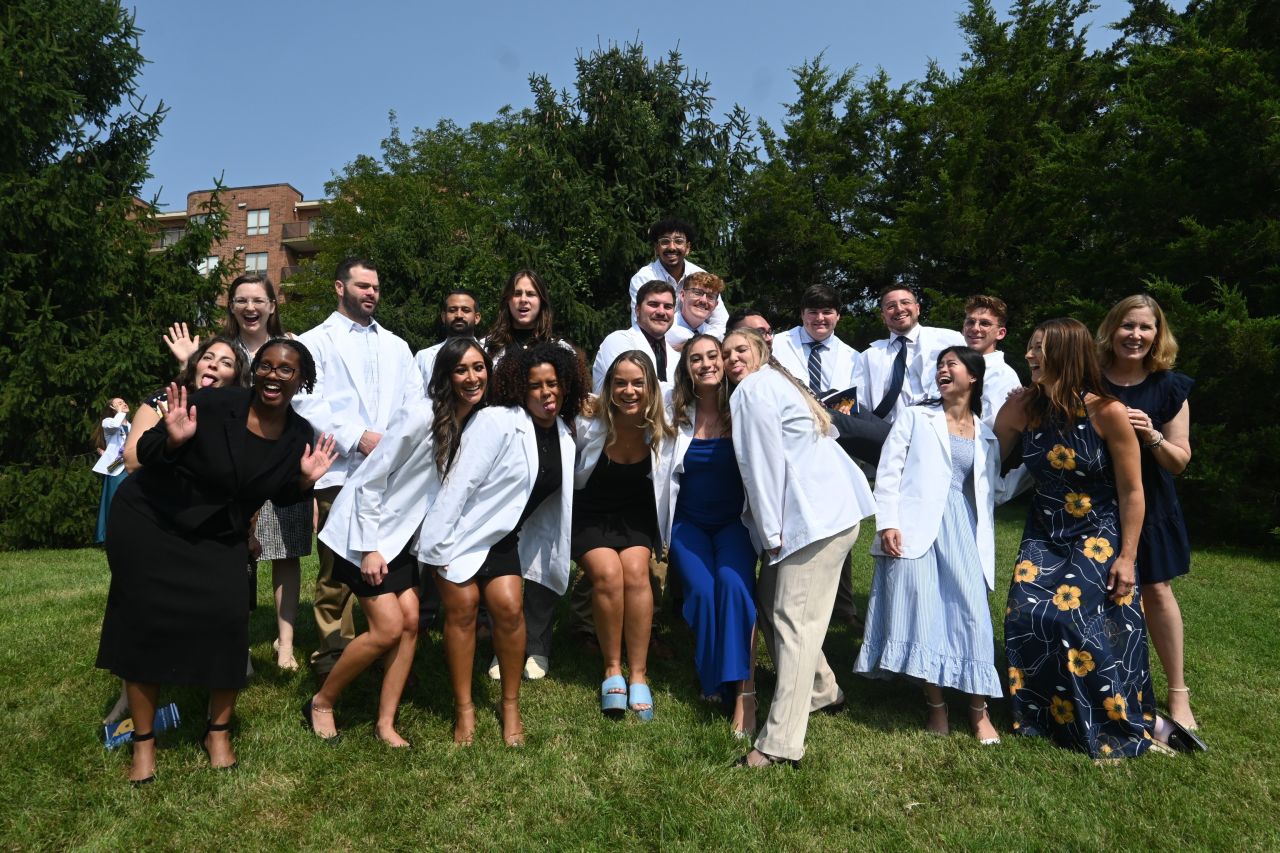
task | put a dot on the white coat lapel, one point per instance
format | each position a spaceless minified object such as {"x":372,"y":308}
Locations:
{"x":938,"y":420}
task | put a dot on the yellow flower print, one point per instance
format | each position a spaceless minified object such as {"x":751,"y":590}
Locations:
{"x":1125,"y":600}
{"x":1062,"y":710}
{"x":1078,"y":504}
{"x":1015,"y":680}
{"x":1080,"y":663}
{"x":1067,"y":597}
{"x":1114,"y":706}
{"x":1062,"y":458}
{"x":1098,"y":549}
{"x":1106,"y":749}
{"x":1025,"y":572}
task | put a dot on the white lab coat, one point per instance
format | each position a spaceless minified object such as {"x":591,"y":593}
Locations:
{"x":486,"y":491}
{"x":616,"y":343}
{"x":340,"y":404}
{"x":115,"y":431}
{"x":912,"y":484}
{"x":801,"y":487}
{"x":590,"y":439}
{"x":382,"y":504}
{"x":679,"y":331}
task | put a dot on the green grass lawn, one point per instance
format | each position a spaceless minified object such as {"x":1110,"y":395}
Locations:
{"x":871,"y":778}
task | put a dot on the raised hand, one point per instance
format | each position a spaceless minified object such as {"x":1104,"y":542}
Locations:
{"x":179,"y":420}
{"x":181,"y":343}
{"x":315,"y":463}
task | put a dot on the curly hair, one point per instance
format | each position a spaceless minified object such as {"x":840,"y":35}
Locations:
{"x":1164,"y":349}
{"x":304,"y":355}
{"x":1068,"y":370}
{"x":446,"y":427}
{"x":684,"y":395}
{"x":654,"y":413}
{"x":187,"y":376}
{"x":510,"y":383}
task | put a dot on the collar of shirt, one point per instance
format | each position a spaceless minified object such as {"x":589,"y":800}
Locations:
{"x":912,"y":336}
{"x":353,"y":326}
{"x":995,"y":356}
{"x":806,"y":339}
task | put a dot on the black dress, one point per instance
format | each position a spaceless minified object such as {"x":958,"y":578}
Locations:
{"x":616,"y":508}
{"x":504,"y":557}
{"x":177,"y":545}
{"x":1164,"y":551}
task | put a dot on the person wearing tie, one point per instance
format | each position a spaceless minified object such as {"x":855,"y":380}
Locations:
{"x":655,"y":312}
{"x":898,"y":371}
{"x":364,"y":375}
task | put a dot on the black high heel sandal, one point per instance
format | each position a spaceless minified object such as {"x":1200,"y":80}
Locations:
{"x":215,"y":727}
{"x":137,"y":738}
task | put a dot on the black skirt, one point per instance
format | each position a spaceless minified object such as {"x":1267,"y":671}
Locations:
{"x":402,"y":574}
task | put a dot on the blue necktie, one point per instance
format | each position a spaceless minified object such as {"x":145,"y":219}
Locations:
{"x":815,"y":366}
{"x":895,"y":381}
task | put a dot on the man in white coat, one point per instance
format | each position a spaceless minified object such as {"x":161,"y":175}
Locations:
{"x":899,"y":371}
{"x":459,"y":317}
{"x":672,"y":241}
{"x":655,"y":312}
{"x":984,"y":328}
{"x":364,"y":375}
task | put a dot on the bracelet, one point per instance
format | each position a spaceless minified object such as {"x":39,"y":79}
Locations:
{"x":1159,"y":440}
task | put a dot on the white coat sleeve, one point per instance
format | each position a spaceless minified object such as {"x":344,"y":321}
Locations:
{"x":893,"y":464}
{"x":408,"y":430}
{"x":481,"y":447}
{"x":315,"y":408}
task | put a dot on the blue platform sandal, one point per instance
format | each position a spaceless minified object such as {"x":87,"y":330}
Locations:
{"x":641,"y":695}
{"x":613,"y":697}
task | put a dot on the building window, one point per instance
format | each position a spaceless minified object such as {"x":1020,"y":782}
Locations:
{"x":258,"y":222}
{"x":207,"y":265}
{"x":256,"y":262}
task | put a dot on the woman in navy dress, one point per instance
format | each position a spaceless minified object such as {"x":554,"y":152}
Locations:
{"x":1074,"y":632}
{"x":711,"y":549}
{"x":1137,"y":351}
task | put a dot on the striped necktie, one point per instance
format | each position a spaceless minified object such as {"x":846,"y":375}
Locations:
{"x":815,"y":366}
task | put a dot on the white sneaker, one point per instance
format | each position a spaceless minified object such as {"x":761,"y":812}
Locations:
{"x":536,"y":666}
{"x":494,"y":672}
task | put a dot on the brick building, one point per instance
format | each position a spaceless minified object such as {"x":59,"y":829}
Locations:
{"x":268,"y":228}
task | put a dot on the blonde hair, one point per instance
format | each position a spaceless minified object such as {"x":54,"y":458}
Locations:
{"x":1164,"y":349}
{"x":655,"y":417}
{"x":821,"y":417}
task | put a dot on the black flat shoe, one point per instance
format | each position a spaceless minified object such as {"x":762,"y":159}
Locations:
{"x":137,"y":738}
{"x":204,"y":743}
{"x":1184,"y":739}
{"x":834,"y":708}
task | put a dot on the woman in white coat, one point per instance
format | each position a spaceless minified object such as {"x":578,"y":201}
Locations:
{"x":375,"y":521}
{"x":805,"y":498}
{"x":928,"y":617}
{"x":503,"y":512}
{"x":618,"y":511}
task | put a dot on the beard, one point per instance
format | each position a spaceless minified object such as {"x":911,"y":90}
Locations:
{"x":354,"y":307}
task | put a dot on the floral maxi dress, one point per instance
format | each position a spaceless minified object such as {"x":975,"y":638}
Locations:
{"x":1078,"y":667}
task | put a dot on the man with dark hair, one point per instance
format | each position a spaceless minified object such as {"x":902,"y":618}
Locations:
{"x":655,"y":312}
{"x":672,"y":241}
{"x":459,"y":317}
{"x":811,"y":352}
{"x":984,"y":327}
{"x":899,"y":371}
{"x":364,"y":374}
{"x":750,"y":318}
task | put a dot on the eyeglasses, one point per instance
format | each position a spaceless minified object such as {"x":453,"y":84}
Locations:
{"x":242,"y":301}
{"x":284,"y":371}
{"x":699,"y":293}
{"x":901,"y":303}
{"x":678,"y":242}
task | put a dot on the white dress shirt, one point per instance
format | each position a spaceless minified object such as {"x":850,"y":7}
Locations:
{"x":912,"y":484}
{"x":363,"y":377}
{"x":997,"y":382}
{"x":841,"y":363}
{"x":616,"y":343}
{"x":485,"y":493}
{"x":920,"y":383}
{"x":800,"y":487}
{"x":679,"y":331}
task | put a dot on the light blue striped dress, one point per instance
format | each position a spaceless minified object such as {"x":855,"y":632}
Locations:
{"x":929,"y":618}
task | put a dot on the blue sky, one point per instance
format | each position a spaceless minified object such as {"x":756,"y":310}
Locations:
{"x":266,"y":92}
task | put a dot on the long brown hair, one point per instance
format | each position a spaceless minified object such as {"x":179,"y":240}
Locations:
{"x":446,"y":428}
{"x":684,"y":395}
{"x":231,"y":326}
{"x":500,"y":334}
{"x":1068,"y":370}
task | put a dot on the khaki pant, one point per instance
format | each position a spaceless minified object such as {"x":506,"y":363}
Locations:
{"x":334,"y":622}
{"x":794,"y":598}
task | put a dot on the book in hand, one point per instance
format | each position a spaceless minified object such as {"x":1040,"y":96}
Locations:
{"x":845,"y":402}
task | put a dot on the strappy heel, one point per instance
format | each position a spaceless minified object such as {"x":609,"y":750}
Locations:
{"x":204,"y":744}
{"x":981,"y":711}
{"x":934,"y":732}
{"x":467,"y":737}
{"x":744,"y":733}
{"x":137,"y":738}
{"x":513,"y":738}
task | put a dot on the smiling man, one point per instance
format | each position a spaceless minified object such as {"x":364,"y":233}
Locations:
{"x":459,"y":317}
{"x":655,"y":312}
{"x":364,"y":375}
{"x":898,"y":371}
{"x":984,"y":328}
{"x":672,"y":241}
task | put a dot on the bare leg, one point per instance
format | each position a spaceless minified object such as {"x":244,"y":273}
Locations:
{"x":980,"y":720}
{"x":397,"y":669}
{"x":937,"y":722}
{"x":503,"y":596}
{"x":142,"y":702}
{"x":604,"y":567}
{"x":460,"y":603}
{"x":286,"y":578}
{"x":637,"y":614}
{"x":1164,"y":622}
{"x":222,"y":703}
{"x":385,"y":629}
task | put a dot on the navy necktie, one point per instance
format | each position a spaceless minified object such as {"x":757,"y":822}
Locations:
{"x":895,"y":380}
{"x":815,"y":366}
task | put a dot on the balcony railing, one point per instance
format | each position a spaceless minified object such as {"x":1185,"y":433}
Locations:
{"x":289,"y":272}
{"x":295,"y":230}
